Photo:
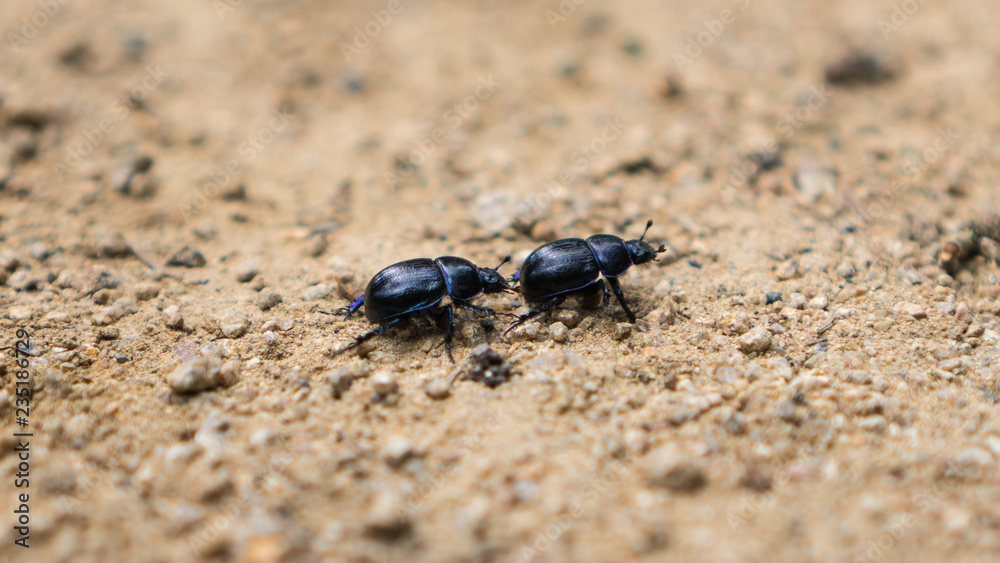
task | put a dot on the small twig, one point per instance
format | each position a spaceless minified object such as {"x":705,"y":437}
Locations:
{"x":826,"y":326}
{"x":789,"y":185}
{"x":860,"y":209}
{"x":151,"y":263}
{"x":458,"y":371}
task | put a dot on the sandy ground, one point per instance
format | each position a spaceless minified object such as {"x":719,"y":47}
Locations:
{"x":188,"y":188}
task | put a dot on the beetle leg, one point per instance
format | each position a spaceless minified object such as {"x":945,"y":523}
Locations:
{"x":349,"y":310}
{"x":530,"y":314}
{"x":613,"y":282}
{"x":481,"y":310}
{"x":370,"y":334}
{"x":450,"y":333}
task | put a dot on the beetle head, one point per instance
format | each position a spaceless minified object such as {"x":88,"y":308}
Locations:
{"x":493,"y":282}
{"x":640,"y":251}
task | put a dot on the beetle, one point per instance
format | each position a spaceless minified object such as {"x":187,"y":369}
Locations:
{"x":404,"y":288}
{"x":558,"y":269}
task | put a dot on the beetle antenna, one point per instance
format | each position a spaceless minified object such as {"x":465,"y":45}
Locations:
{"x":502,"y":262}
{"x":648,"y":225}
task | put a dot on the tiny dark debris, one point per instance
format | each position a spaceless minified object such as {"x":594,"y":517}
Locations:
{"x":78,"y":55}
{"x":772,"y":297}
{"x":766,"y":160}
{"x":694,"y":263}
{"x":860,"y":67}
{"x":638,"y":165}
{"x":487,"y":367}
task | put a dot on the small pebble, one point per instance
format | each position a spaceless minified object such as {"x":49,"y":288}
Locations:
{"x":341,"y":379}
{"x":385,"y":384}
{"x":18,"y":313}
{"x":846,"y":270}
{"x":636,"y":440}
{"x":771,"y":297}
{"x":384,"y":520}
{"x":559,"y":332}
{"x":205,"y":230}
{"x":622,"y":331}
{"x":875,"y":423}
{"x":397,"y":450}
{"x":109,"y":315}
{"x":438,"y":388}
{"x":317,"y":246}
{"x":797,"y":301}
{"x":788,"y":269}
{"x":909,"y":309}
{"x":172,"y":317}
{"x":145,"y":291}
{"x":568,"y":317}
{"x":234,"y":324}
{"x":196,"y":375}
{"x":268,"y":299}
{"x":820,"y":303}
{"x":25,"y":280}
{"x":527,"y":331}
{"x":756,"y":340}
{"x":187,"y":257}
{"x":974,"y":457}
{"x":9,"y":261}
{"x":230,"y":372}
{"x":668,"y":467}
{"x":108,"y":333}
{"x":473,"y":333}
{"x":247,"y":270}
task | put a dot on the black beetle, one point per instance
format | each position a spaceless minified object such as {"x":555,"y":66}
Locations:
{"x":574,"y":265}
{"x":404,"y":288}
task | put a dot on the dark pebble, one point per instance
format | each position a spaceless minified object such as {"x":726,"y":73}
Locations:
{"x":187,"y":257}
{"x":772,"y":297}
{"x":694,"y":263}
{"x":487,"y":367}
